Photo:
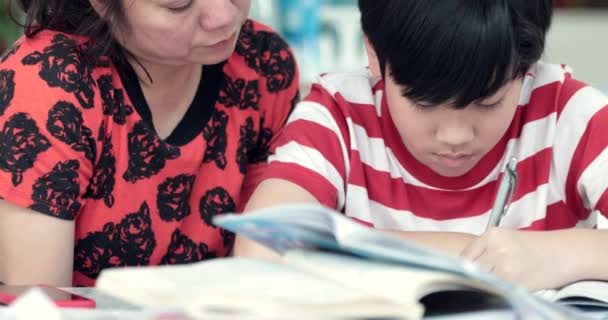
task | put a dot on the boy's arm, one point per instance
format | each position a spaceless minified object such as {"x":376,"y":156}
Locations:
{"x":593,"y":263}
{"x":451,"y":243}
{"x":274,"y":192}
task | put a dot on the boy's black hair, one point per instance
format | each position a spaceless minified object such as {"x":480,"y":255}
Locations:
{"x":455,"y":51}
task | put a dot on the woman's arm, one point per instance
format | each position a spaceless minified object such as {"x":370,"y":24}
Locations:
{"x":269,"y":193}
{"x":35,"y":248}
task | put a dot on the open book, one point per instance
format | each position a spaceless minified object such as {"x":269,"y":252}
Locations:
{"x":303,"y":285}
{"x":332,"y":267}
{"x":589,"y":295}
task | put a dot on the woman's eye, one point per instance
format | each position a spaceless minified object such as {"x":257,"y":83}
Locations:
{"x":182,"y":6}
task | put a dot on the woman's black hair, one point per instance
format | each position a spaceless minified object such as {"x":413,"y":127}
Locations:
{"x":455,"y":51}
{"x":77,"y":17}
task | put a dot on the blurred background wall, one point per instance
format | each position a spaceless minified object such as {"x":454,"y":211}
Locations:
{"x":8,"y":30}
{"x":579,"y":35}
{"x":326,"y":36}
{"x":579,"y":38}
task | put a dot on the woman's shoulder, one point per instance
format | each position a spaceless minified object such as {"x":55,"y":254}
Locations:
{"x":265,"y":54}
{"x":54,"y":61}
{"x":47,"y":71}
{"x":27,"y":49}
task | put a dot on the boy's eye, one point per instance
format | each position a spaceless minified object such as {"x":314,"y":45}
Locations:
{"x":422,"y":105}
{"x":489,"y":105}
{"x":181,"y":5}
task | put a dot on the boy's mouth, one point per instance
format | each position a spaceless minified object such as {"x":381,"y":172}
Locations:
{"x":453,"y":160}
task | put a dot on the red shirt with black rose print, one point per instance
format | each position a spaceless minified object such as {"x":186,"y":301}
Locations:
{"x":77,"y":143}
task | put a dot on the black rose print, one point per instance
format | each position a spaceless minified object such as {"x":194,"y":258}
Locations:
{"x":228,"y":238}
{"x":147,"y":155}
{"x":217,"y":139}
{"x":56,"y":193}
{"x":103,"y":180}
{"x":20,"y":145}
{"x":66,"y":124}
{"x":129,"y":243}
{"x":254,"y":147}
{"x":183,"y":250}
{"x":246,"y":144}
{"x":173,"y":198}
{"x":61,"y":66}
{"x":7,"y":89}
{"x":215,"y":201}
{"x":94,"y":252}
{"x":262,"y":150}
{"x":239,"y":93}
{"x":135,"y":237}
{"x":268,"y":54}
{"x":113,"y":100}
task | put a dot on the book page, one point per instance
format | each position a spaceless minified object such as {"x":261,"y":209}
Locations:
{"x":403,"y":286}
{"x":596,"y":290}
{"x":240,"y":286}
{"x":314,"y":227}
{"x":283,"y":228}
{"x":311,"y":227}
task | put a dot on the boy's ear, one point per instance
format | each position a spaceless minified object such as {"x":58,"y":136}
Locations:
{"x":372,"y":58}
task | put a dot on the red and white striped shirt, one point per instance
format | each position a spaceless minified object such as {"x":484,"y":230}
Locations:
{"x":341,"y":145}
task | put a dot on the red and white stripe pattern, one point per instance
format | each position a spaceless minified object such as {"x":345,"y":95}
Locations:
{"x":341,"y":146}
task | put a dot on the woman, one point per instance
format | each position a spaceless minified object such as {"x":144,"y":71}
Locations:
{"x":125,"y":126}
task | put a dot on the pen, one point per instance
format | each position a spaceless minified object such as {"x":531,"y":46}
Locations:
{"x":504,"y":194}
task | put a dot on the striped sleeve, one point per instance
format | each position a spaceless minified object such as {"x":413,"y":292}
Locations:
{"x":581,"y":147}
{"x":311,"y":151}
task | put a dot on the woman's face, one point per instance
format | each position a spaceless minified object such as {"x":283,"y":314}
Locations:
{"x":181,"y":32}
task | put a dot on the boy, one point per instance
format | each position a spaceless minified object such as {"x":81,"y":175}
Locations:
{"x":417,"y":144}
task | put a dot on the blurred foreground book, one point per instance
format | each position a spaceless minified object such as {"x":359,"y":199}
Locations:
{"x":332,"y":267}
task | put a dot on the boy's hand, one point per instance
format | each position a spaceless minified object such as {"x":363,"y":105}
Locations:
{"x":535,"y":260}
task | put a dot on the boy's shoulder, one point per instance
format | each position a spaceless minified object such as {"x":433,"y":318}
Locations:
{"x":562,"y":77}
{"x":547,"y":81}
{"x":355,"y":86}
{"x":552,"y":88}
{"x":544,"y":73}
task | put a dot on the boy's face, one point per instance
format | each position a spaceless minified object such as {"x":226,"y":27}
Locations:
{"x":449,"y":141}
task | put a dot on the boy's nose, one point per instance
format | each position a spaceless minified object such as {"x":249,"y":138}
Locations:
{"x":455,"y":135}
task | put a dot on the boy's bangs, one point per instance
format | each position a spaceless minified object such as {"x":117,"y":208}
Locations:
{"x":463,"y":52}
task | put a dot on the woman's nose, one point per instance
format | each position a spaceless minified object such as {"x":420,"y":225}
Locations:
{"x":218,"y":14}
